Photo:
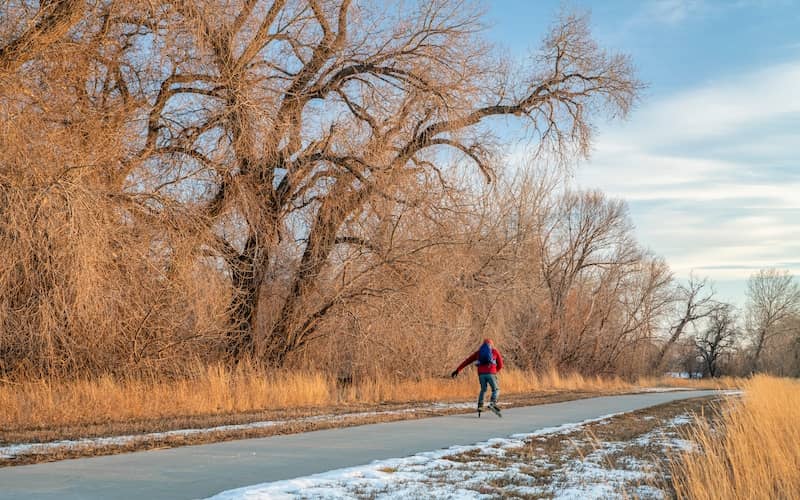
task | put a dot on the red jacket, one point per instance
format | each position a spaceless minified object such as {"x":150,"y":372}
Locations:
{"x":482,"y":369}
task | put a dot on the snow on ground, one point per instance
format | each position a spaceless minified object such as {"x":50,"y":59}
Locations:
{"x":15,"y":450}
{"x":491,"y":469}
{"x":443,"y":474}
{"x":665,"y":389}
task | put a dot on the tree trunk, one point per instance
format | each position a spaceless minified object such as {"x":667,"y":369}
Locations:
{"x":247,"y":272}
{"x":759,"y":347}
{"x":659,"y":361}
{"x":294,"y":324}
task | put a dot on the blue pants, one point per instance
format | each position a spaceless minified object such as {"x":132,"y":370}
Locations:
{"x":489,"y":379}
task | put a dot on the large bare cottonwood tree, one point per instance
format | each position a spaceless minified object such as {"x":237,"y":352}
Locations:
{"x":323,"y":106}
{"x":264,"y":131}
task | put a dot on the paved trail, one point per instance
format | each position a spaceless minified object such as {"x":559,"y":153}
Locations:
{"x":203,"y":470}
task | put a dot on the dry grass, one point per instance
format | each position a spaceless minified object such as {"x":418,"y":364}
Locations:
{"x":753,"y":453}
{"x":705,"y":383}
{"x":464,"y":387}
{"x":215,"y":390}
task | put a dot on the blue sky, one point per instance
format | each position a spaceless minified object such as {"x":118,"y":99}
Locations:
{"x":709,"y":161}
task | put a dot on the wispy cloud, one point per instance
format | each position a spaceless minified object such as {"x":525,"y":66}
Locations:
{"x":676,"y":12}
{"x":671,"y":11}
{"x":726,"y":106}
{"x":712,"y":173}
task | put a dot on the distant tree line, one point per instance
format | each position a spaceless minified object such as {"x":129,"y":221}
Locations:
{"x":762,"y":337}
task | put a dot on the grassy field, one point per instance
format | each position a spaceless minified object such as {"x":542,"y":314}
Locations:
{"x":215,"y":390}
{"x":753,"y":453}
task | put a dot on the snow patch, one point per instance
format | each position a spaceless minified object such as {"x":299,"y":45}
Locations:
{"x":667,"y":438}
{"x":494,"y":468}
{"x":680,"y":420}
{"x":425,"y":475}
{"x":664,"y":389}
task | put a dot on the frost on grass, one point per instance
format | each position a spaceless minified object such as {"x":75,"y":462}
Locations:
{"x":564,"y":462}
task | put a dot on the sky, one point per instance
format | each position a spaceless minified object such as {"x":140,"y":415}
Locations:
{"x":709,"y":161}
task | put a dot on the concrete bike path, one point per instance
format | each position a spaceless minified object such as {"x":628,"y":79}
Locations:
{"x":204,"y":470}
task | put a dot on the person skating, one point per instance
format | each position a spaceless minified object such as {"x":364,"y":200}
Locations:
{"x":489,"y":362}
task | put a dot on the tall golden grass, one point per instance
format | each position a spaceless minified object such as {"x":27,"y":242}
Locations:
{"x":217,"y":390}
{"x":213,"y":390}
{"x":704,"y":383}
{"x":753,"y":453}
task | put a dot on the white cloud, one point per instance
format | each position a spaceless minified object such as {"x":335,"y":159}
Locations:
{"x":672,"y":11}
{"x":676,"y":12}
{"x":726,"y":106}
{"x":712,"y":173}
{"x":631,"y":170}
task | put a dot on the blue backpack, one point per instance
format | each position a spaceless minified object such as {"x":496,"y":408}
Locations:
{"x":485,"y":355}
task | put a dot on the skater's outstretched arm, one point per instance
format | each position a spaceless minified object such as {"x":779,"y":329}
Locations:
{"x":471,"y":359}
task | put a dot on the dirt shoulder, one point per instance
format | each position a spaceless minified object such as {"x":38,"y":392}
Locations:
{"x":624,"y":456}
{"x":34,"y":445}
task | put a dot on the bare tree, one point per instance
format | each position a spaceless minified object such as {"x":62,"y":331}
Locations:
{"x":718,"y":338}
{"x":695,"y":301}
{"x":182,"y":155}
{"x":641,"y":299}
{"x":39,"y":25}
{"x":325,"y":106}
{"x":773,"y":297}
{"x":585,"y":232}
